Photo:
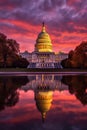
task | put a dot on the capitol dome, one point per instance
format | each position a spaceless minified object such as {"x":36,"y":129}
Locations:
{"x":43,"y":42}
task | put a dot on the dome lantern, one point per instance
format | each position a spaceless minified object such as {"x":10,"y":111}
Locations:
{"x":43,"y":27}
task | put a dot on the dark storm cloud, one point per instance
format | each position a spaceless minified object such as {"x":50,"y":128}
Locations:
{"x":77,"y":4}
{"x":49,"y":5}
{"x":60,"y":15}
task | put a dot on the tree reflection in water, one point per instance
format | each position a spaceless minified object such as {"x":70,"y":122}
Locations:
{"x":77,"y":85}
{"x":9,"y":95}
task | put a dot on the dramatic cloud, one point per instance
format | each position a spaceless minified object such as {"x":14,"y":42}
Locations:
{"x":66,"y":21}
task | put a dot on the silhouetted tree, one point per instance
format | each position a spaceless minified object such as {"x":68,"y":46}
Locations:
{"x":20,"y":62}
{"x":77,"y":58}
{"x":9,"y":53}
{"x":8,"y":48}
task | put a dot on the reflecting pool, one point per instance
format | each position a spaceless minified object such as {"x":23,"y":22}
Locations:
{"x":43,"y":102}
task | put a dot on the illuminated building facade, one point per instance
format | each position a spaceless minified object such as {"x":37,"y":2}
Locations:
{"x":43,"y":55}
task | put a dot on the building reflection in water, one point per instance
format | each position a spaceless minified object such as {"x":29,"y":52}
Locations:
{"x":43,"y":87}
{"x":43,"y":93}
{"x":50,"y":82}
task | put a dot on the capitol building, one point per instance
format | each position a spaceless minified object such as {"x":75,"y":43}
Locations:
{"x":43,"y":55}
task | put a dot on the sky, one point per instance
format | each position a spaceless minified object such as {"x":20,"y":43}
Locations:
{"x":65,"y":21}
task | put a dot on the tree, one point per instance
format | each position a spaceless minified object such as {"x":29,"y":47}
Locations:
{"x":9,"y":53}
{"x":77,"y":58}
{"x":13,"y":46}
{"x":3,"y":48}
{"x":20,"y":62}
{"x":8,"y":47}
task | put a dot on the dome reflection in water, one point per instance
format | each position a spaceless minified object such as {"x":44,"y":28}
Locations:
{"x":43,"y":98}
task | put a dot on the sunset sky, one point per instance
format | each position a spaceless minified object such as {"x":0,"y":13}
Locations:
{"x":65,"y":20}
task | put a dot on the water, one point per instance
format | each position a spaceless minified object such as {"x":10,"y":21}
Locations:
{"x":43,"y":102}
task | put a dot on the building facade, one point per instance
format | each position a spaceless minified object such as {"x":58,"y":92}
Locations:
{"x":43,"y":55}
